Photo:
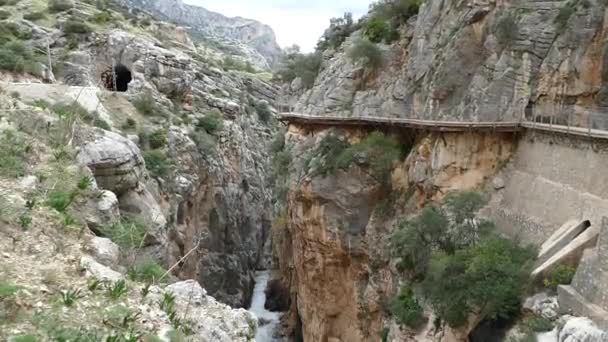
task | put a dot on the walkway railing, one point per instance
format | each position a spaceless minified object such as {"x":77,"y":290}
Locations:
{"x":592,"y":124}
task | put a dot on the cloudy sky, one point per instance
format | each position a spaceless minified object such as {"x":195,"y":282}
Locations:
{"x":294,"y":21}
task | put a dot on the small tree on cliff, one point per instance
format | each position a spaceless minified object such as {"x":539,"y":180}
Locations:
{"x":466,"y":268}
{"x":446,"y":228}
{"x":487,"y":279}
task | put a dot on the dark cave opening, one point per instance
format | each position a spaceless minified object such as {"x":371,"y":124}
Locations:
{"x":118,"y":80}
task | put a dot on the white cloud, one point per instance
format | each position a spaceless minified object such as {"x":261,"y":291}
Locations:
{"x":294,"y":21}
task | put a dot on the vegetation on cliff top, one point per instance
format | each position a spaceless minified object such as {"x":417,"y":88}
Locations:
{"x":463,"y":267}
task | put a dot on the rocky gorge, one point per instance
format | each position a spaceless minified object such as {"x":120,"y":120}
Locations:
{"x":147,"y":175}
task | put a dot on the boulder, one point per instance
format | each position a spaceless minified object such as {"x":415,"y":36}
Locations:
{"x":142,"y":203}
{"x":543,"y":305}
{"x":581,"y":329}
{"x":103,"y":250}
{"x":115,"y":161}
{"x":209,"y":319}
{"x":94,"y":269}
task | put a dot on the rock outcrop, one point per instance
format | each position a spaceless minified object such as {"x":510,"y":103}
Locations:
{"x":478,"y":61}
{"x":253,"y":41}
{"x":338,"y":225}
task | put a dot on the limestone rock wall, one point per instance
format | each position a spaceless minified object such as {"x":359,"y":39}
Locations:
{"x":452,"y":64}
{"x":333,"y":249}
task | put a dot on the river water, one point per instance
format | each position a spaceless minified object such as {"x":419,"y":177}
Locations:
{"x":266,"y":331}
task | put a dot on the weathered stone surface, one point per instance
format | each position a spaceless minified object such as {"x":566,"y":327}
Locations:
{"x":581,"y":329}
{"x":116,"y":162}
{"x":140,"y":203}
{"x":249,"y":38}
{"x":542,"y":305}
{"x":94,"y":269}
{"x":449,"y":64}
{"x":209,"y":319}
{"x":103,"y":250}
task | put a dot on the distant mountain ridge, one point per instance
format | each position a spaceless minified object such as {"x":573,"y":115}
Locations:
{"x":249,"y":38}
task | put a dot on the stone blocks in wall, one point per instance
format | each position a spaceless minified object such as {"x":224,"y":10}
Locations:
{"x":588,"y":293}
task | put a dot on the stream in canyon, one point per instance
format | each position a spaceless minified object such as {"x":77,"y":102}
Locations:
{"x":269,"y":321}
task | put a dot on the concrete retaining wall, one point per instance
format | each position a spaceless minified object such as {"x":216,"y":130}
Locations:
{"x":550,"y":180}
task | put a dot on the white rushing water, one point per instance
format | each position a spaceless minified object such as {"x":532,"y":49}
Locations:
{"x":550,"y":336}
{"x":266,"y":331}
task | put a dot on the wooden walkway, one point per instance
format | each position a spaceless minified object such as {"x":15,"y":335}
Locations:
{"x":440,"y":126}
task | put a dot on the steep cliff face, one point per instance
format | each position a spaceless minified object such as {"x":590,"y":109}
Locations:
{"x":333,"y":248}
{"x":478,"y":61}
{"x":220,"y":207}
{"x":203,"y":195}
{"x":255,"y":41}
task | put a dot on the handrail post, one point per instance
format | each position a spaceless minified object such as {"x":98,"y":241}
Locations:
{"x":569,"y":119}
{"x":589,"y":124}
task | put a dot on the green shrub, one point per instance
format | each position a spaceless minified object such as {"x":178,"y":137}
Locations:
{"x":405,"y":308}
{"x":85,"y":183}
{"x":446,"y":229}
{"x":130,"y":123}
{"x":146,"y":105}
{"x":128,"y":234}
{"x":10,"y":31}
{"x":71,"y":110}
{"x":16,"y":57}
{"x":538,"y":324}
{"x":296,"y":65}
{"x":506,"y":29}
{"x":491,"y":276}
{"x":14,"y":151}
{"x":339,"y":29}
{"x":34,"y":16}
{"x":69,"y":297}
{"x":76,"y":26}
{"x":25,"y":221}
{"x":378,"y":30}
{"x":158,"y":163}
{"x":384,"y":334}
{"x":397,"y":12}
{"x":231,"y":63}
{"x":205,"y":142}
{"x":23,"y":338}
{"x":60,"y":200}
{"x":212,"y":122}
{"x":385,"y":18}
{"x":564,"y":14}
{"x":376,"y":150}
{"x":117,"y":289}
{"x":560,"y":275}
{"x":147,"y":270}
{"x":102,"y":17}
{"x":103,"y":124}
{"x":158,"y":138}
{"x":367,"y":53}
{"x":4,"y":14}
{"x":263,"y":111}
{"x":8,"y":289}
{"x":328,"y":153}
{"x":55,"y":6}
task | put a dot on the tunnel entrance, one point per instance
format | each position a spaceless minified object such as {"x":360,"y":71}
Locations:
{"x":117,"y":79}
